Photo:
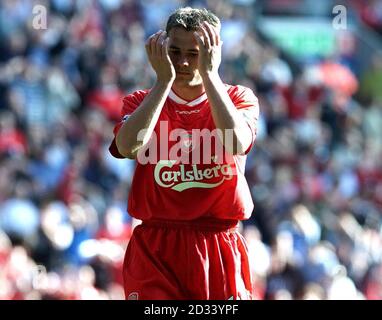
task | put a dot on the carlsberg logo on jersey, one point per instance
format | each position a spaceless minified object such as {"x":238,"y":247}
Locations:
{"x":183,"y":179}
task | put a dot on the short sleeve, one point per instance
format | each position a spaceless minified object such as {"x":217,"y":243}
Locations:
{"x":247,"y":103}
{"x":130,"y":103}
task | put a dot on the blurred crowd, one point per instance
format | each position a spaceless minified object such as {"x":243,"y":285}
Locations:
{"x":315,"y":172}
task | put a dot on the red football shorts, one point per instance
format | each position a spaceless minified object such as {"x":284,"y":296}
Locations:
{"x":193,"y":260}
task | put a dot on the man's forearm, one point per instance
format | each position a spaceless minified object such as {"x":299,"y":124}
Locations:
{"x":226,"y":116}
{"x":144,"y":118}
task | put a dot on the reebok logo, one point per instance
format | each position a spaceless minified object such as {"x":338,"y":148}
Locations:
{"x":133,"y":296}
{"x":187,"y":112}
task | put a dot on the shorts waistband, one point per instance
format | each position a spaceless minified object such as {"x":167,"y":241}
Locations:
{"x":200,"y":224}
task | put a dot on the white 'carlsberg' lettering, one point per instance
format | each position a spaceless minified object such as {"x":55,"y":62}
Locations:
{"x":183,"y":179}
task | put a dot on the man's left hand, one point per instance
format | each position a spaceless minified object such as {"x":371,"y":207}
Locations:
{"x":209,"y":42}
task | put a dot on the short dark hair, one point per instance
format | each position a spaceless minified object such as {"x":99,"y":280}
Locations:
{"x":190,"y":19}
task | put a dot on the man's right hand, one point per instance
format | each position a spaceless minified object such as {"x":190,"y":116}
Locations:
{"x":157,"y":52}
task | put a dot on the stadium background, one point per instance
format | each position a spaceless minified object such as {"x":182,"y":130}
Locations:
{"x":315,"y":172}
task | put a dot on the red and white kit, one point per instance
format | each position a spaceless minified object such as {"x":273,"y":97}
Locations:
{"x":187,"y":246}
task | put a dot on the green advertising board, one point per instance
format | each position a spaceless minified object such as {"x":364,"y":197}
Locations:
{"x":301,"y":37}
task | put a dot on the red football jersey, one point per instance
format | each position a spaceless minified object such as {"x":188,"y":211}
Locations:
{"x":183,"y":175}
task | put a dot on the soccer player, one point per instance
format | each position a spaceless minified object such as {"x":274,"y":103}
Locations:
{"x":189,"y":195}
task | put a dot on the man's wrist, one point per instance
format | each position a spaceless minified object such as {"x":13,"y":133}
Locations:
{"x":164,"y":83}
{"x":210,"y":77}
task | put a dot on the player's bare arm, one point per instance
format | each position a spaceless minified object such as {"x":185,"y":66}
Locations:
{"x":146,"y":116}
{"x":224,"y":113}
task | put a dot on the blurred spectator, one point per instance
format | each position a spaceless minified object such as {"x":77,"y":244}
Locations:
{"x":371,"y":13}
{"x":371,"y":81}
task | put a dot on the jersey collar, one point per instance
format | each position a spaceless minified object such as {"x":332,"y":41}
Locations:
{"x":173,"y":96}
